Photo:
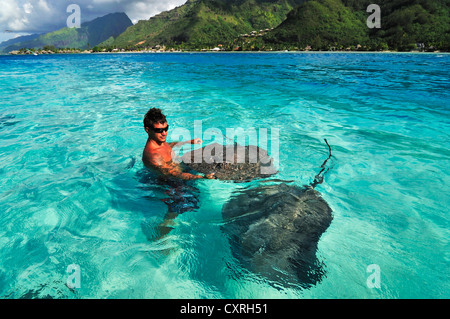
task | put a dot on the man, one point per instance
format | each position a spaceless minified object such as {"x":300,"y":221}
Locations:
{"x":158,"y":153}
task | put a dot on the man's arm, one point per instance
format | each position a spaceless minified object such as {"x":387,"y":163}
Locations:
{"x":179,"y":144}
{"x":158,"y":162}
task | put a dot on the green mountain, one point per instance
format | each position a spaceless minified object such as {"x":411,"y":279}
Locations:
{"x":325,"y":24}
{"x":406,"y":23}
{"x":13,"y":41}
{"x":264,"y":24}
{"x":318,"y":24}
{"x":203,"y":23}
{"x":88,"y":35}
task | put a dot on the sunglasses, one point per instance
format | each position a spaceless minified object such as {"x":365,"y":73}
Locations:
{"x":160,"y":130}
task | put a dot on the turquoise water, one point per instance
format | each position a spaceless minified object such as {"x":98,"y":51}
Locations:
{"x":73,"y":190}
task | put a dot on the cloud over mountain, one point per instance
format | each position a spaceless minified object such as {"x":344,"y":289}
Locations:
{"x":36,"y":16}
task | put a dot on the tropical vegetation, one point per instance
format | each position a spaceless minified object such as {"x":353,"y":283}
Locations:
{"x":267,"y":25}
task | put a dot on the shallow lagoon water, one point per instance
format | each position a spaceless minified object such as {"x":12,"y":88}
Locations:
{"x":73,"y":190}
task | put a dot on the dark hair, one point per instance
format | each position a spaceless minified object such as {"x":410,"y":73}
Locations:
{"x":154,"y":116}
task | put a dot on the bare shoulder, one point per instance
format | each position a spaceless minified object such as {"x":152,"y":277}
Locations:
{"x":152,"y":159}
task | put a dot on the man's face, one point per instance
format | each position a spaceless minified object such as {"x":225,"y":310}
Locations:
{"x":158,"y":136}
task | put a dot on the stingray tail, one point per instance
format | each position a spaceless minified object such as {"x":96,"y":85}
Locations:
{"x":318,"y":179}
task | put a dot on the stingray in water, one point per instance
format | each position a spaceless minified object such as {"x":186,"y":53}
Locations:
{"x":231,"y":162}
{"x":273,"y":230}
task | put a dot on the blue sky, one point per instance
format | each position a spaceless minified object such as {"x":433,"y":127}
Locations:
{"x":21,"y":17}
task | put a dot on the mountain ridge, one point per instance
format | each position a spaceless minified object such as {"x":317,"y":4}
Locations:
{"x":268,"y":25}
{"x":206,"y":22}
{"x":296,"y":24}
{"x":404,"y":25}
{"x":88,"y":35}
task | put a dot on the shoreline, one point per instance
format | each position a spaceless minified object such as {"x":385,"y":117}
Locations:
{"x":230,"y":52}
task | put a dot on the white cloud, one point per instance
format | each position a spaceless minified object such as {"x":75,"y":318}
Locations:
{"x":43,"y":6}
{"x":143,"y":10}
{"x":10,"y":11}
{"x":36,"y":16}
{"x":28,"y":8}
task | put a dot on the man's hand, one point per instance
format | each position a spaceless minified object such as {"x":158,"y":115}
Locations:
{"x":196,"y":141}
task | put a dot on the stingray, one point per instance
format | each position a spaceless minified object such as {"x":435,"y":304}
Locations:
{"x":231,"y":162}
{"x":274,"y":230}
